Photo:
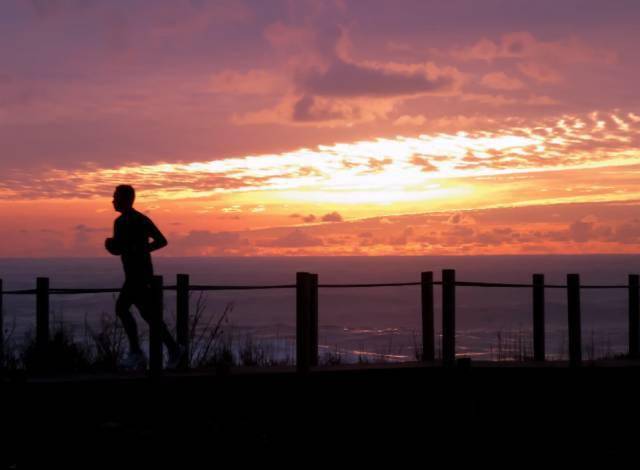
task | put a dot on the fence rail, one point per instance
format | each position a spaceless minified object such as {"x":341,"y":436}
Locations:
{"x":195,"y":287}
{"x":307,"y":287}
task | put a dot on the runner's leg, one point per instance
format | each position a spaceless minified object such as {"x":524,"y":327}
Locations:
{"x":123,"y":305}
{"x":143,"y":304}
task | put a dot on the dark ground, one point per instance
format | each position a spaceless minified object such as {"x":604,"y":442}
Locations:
{"x":453,"y":413}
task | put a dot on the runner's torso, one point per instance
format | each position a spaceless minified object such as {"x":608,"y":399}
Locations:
{"x":131,"y":232}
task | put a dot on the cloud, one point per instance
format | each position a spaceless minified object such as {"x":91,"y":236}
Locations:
{"x":398,"y":241}
{"x":501,"y":81}
{"x":456,"y":234}
{"x":86,"y":229}
{"x":501,"y":100}
{"x":332,"y":217}
{"x":200,"y":238}
{"x":313,"y":109}
{"x":559,"y":228}
{"x":407,"y":120}
{"x":524,"y":45}
{"x":319,"y":111}
{"x":403,"y":238}
{"x":46,"y":9}
{"x":378,"y":164}
{"x":345,"y":79}
{"x":581,"y":231}
{"x":423,"y":163}
{"x":461,"y":218}
{"x":627,"y":232}
{"x":330,"y":88}
{"x":252,"y":82}
{"x":296,"y":238}
{"x":284,"y":36}
{"x":306,"y":218}
{"x":540,"y":72}
{"x":83,"y":233}
{"x":536,"y":100}
{"x":512,"y":45}
{"x":159,"y":65}
{"x":566,"y":142}
{"x":396,"y":46}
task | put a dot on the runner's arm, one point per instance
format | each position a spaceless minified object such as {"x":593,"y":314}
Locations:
{"x":111,"y":244}
{"x":159,"y":240}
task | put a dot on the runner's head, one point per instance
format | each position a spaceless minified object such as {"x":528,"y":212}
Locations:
{"x":123,"y":197}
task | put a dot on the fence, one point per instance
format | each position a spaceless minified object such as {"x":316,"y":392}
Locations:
{"x":307,"y":313}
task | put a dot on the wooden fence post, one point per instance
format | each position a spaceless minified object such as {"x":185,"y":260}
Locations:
{"x":426,"y":290}
{"x":182,"y":317}
{"x":538,"y":318}
{"x":575,"y":332}
{"x":155,"y":326}
{"x":634,"y":319}
{"x":1,"y":326}
{"x":306,"y":321}
{"x":42,"y":314}
{"x":313,"y":320}
{"x":448,"y":316}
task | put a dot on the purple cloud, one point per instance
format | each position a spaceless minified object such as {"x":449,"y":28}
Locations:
{"x":345,"y":79}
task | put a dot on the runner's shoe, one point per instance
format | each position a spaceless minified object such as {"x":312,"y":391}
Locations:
{"x":176,"y":358}
{"x":135,"y":361}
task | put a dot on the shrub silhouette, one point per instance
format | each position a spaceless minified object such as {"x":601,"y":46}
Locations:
{"x":60,"y":355}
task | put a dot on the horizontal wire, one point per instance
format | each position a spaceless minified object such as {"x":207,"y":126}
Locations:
{"x":210,"y":288}
{"x":292,"y":286}
{"x":395,"y":284}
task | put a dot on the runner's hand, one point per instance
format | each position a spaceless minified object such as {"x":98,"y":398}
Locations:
{"x":112,"y":247}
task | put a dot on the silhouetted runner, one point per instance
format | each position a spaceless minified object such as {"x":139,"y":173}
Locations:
{"x":131,"y":234}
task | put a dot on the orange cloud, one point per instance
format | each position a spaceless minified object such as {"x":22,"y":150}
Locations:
{"x":332,"y":217}
{"x":252,"y":82}
{"x":562,"y":228}
{"x":294,"y":239}
{"x":461,"y":218}
{"x":540,"y":72}
{"x":501,"y":81}
{"x":319,"y":111}
{"x":407,"y":120}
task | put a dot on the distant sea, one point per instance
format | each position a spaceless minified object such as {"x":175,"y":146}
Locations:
{"x":357,"y":324}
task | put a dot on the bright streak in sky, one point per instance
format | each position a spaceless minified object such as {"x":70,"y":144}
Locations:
{"x":400,"y":169}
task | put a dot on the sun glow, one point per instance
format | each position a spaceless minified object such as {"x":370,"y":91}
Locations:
{"x":505,"y":167}
{"x":363,"y":197}
{"x":402,"y":168}
{"x":386,"y":197}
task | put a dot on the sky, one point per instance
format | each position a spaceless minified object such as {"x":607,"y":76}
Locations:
{"x":322,"y":127}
